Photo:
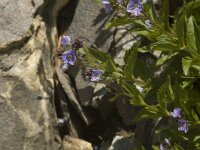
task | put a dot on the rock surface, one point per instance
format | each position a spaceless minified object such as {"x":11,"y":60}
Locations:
{"x":16,"y":18}
{"x":70,"y":143}
{"x":28,"y":39}
{"x":27,"y":111}
{"x":122,"y":143}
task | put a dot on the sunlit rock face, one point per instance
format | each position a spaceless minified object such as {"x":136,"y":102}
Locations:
{"x":27,"y":42}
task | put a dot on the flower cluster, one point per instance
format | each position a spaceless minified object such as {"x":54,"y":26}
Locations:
{"x":135,"y":7}
{"x":93,"y":74}
{"x":182,"y":122}
{"x":107,"y":6}
{"x":69,"y":57}
{"x":148,"y":24}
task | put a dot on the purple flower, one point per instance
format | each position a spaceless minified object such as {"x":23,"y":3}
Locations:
{"x":148,"y":23}
{"x":161,"y":147}
{"x":65,"y":40}
{"x":176,"y":113}
{"x":107,"y":6}
{"x":96,"y":75}
{"x":69,"y":57}
{"x":135,"y":7}
{"x":105,"y":2}
{"x":183,"y":125}
{"x":78,"y":43}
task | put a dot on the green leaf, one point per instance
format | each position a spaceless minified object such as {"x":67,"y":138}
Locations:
{"x":130,"y":59}
{"x":114,"y":98}
{"x":165,"y":58}
{"x":186,"y":64}
{"x":177,"y":147}
{"x":119,"y":21}
{"x":147,"y":112}
{"x":196,"y":63}
{"x":110,"y":65}
{"x":150,"y":11}
{"x":135,"y":95}
{"x":198,"y":107}
{"x":97,"y":54}
{"x":181,"y":31}
{"x":165,"y":43}
{"x":193,"y":35}
{"x":165,"y":94}
{"x":165,"y":14}
{"x":155,"y":147}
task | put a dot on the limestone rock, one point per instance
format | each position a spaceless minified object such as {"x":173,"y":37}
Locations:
{"x":16,"y":18}
{"x":126,"y":111}
{"x":27,"y":114}
{"x":101,"y":102}
{"x":122,"y":143}
{"x":84,"y":88}
{"x":70,"y":143}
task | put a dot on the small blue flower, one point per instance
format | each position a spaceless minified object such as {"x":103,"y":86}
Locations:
{"x":96,"y":75}
{"x":135,"y":7}
{"x":65,"y":40}
{"x":161,"y":147}
{"x":69,"y":57}
{"x":183,"y":125}
{"x":107,"y":6}
{"x":176,"y":113}
{"x":78,"y":43}
{"x":148,"y":23}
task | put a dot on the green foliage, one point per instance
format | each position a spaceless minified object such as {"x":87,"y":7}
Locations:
{"x":172,"y":81}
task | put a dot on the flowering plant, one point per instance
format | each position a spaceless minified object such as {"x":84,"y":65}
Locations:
{"x":167,"y":89}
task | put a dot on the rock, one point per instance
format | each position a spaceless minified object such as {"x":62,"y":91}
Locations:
{"x":122,"y":143}
{"x":126,"y":110}
{"x":84,"y":88}
{"x":27,"y":112}
{"x":66,"y":84}
{"x":101,"y":101}
{"x":16,"y":19}
{"x":70,"y":143}
{"x":144,"y":132}
{"x":88,"y":22}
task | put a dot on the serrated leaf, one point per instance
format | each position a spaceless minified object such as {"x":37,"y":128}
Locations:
{"x":110,"y":65}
